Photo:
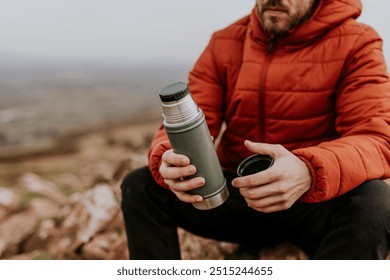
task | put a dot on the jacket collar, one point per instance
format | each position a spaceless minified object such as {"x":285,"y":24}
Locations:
{"x":328,"y":14}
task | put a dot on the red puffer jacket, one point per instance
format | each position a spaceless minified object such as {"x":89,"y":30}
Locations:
{"x":323,"y":92}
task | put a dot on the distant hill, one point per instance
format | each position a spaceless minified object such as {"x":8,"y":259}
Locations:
{"x":43,"y":101}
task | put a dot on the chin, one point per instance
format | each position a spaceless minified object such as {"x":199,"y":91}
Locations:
{"x":275,"y":27}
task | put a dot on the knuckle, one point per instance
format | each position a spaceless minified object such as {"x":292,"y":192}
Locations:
{"x":285,"y":198}
{"x":165,"y":155}
{"x":282,"y":188}
{"x":256,"y":203}
{"x":174,"y":191}
{"x":248,"y":201}
{"x":279,"y":173}
{"x":251,"y":195}
{"x":286,"y":205}
{"x":172,"y":186}
{"x":279,"y":147}
{"x":162,"y":169}
{"x":284,"y":176}
{"x":278,"y":189}
{"x":252,"y":181}
{"x":169,"y":157}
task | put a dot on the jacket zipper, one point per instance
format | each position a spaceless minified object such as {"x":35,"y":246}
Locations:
{"x":262,"y":92}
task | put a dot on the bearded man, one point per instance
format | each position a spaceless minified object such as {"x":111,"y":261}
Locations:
{"x":304,"y":82}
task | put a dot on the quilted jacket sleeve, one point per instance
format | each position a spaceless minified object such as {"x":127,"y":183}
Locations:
{"x":362,"y":151}
{"x":208,"y":91}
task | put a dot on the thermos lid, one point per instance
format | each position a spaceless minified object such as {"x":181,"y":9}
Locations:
{"x":254,"y":163}
{"x":174,"y":92}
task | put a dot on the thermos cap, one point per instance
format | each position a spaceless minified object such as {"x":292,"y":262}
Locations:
{"x":174,"y":92}
{"x":254,"y":163}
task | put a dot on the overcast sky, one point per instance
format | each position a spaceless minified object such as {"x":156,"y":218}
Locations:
{"x":131,"y":31}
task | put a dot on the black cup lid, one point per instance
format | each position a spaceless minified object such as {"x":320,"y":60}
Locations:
{"x":174,"y":92}
{"x":254,"y":164}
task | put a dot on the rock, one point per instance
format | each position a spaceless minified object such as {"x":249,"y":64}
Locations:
{"x":35,"y":255}
{"x":90,"y":212}
{"x":102,"y":171}
{"x":194,"y":247}
{"x":31,"y":182}
{"x":283,"y":251}
{"x":44,"y":208}
{"x":93,"y":172}
{"x":60,"y":248}
{"x":14,"y":230}
{"x":69,"y":181}
{"x":98,"y":247}
{"x":114,"y":232}
{"x":106,"y":246}
{"x":116,"y":223}
{"x":99,"y":206}
{"x":3,"y":213}
{"x":119,"y":250}
{"x":9,"y":202}
{"x":40,"y":238}
{"x":9,"y":199}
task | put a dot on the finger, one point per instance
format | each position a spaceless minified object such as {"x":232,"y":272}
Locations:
{"x":263,"y":191}
{"x":187,"y":185}
{"x":273,"y":208}
{"x":173,"y":158}
{"x":264,"y":177}
{"x":173,"y":172}
{"x":188,"y":198}
{"x":264,"y":149}
{"x":282,"y":200}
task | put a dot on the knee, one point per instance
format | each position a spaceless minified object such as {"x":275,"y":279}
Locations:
{"x":133,"y":186}
{"x":371,"y":207}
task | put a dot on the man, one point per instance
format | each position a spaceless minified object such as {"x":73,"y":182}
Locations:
{"x":302,"y":81}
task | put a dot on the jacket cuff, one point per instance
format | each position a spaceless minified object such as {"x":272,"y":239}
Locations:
{"x":155,"y":161}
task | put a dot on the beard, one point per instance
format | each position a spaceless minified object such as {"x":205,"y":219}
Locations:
{"x":281,"y":22}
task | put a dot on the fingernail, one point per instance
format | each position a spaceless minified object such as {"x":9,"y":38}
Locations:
{"x":199,"y":199}
{"x":192,"y":169}
{"x":200,"y":182}
{"x":184,"y":161}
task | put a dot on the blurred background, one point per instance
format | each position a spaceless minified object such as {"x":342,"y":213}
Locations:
{"x":77,"y":64}
{"x":78,"y":102}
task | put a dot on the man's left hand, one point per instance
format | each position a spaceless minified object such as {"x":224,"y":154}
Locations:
{"x":278,"y":187}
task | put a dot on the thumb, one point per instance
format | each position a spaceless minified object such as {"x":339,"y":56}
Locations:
{"x":263,"y":148}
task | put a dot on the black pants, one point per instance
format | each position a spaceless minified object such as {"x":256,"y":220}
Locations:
{"x":353,"y":226}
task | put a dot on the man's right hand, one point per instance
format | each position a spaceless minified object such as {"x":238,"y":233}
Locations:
{"x":173,"y":169}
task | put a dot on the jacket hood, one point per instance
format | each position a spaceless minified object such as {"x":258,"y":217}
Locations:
{"x":327,"y":15}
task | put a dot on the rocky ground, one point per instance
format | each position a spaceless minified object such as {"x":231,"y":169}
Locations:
{"x":66,"y":205}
